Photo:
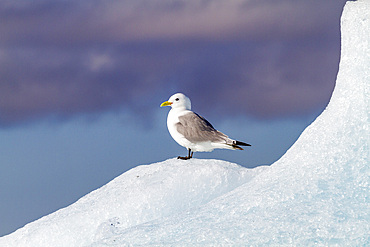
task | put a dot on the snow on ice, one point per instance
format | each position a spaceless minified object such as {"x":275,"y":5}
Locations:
{"x":316,"y":194}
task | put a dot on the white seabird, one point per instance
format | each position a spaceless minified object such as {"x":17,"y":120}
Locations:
{"x":192,"y":131}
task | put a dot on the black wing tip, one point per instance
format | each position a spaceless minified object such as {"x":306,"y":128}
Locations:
{"x":238,"y":143}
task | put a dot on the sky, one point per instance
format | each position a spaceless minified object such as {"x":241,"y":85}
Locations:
{"x":81,"y":83}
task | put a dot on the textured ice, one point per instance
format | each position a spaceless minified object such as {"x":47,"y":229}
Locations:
{"x":142,"y":194}
{"x":316,"y":194}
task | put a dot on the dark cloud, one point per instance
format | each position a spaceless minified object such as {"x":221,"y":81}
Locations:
{"x":258,"y":58}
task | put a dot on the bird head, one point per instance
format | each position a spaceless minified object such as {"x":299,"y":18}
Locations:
{"x":178,"y":101}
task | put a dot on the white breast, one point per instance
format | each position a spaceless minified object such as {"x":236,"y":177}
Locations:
{"x":172,"y":120}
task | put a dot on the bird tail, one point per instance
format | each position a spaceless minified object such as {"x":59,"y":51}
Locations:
{"x":236,"y":145}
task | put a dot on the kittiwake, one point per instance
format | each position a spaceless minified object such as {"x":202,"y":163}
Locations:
{"x":193,"y":131}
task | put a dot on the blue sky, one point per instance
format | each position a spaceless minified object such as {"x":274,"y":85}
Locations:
{"x":81,"y":83}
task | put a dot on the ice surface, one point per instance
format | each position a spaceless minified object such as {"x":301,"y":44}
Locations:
{"x":316,"y":194}
{"x":142,"y":194}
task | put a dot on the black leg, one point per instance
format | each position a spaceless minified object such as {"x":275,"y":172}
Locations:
{"x":190,"y":155}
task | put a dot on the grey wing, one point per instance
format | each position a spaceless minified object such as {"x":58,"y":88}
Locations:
{"x":195,"y":128}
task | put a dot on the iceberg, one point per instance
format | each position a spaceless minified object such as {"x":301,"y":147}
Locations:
{"x":316,"y":194}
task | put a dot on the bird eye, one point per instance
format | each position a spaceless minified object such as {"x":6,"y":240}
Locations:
{"x":177,"y":99}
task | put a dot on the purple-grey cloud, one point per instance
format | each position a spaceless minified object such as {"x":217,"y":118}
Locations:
{"x":261,"y":58}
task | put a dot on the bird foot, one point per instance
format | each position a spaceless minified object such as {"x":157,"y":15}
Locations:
{"x":184,"y":158}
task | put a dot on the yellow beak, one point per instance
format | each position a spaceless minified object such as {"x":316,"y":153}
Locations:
{"x":166,"y":103}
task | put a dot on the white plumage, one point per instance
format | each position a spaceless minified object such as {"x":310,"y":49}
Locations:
{"x":192,"y":131}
